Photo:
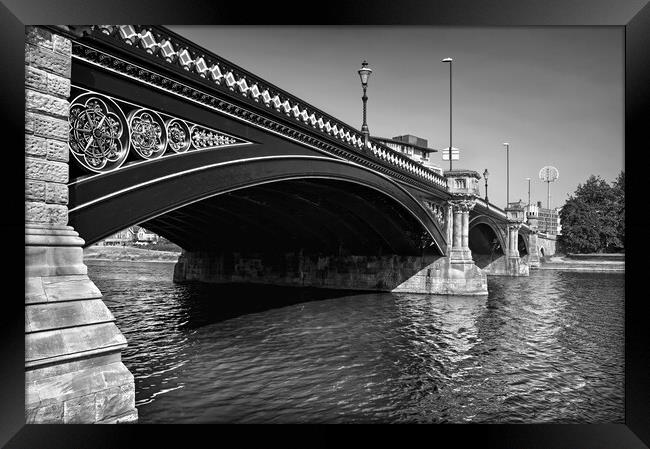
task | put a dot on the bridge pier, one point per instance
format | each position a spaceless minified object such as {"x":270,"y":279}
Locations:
{"x":387,"y":273}
{"x":533,"y":243}
{"x":73,"y":367}
{"x":515,"y":266}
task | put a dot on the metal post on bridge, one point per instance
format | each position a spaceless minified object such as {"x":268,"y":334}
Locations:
{"x":364,"y":74}
{"x":450,"y":61}
{"x":485,"y":176}
{"x":507,"y":145}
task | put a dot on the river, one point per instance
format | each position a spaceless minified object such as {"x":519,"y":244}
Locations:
{"x":546,"y":348}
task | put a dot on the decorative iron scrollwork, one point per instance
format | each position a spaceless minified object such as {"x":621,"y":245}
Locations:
{"x":204,"y":138}
{"x":178,"y":135}
{"x":99,"y":136}
{"x":148,"y":133}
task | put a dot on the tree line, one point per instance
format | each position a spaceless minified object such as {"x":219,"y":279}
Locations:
{"x":593,"y":218}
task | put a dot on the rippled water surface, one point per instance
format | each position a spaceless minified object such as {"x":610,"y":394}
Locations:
{"x":544,"y":348}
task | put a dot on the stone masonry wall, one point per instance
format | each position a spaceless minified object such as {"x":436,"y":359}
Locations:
{"x":47,"y":88}
{"x":412,"y":274}
{"x":73,"y":367}
{"x":548,"y":243}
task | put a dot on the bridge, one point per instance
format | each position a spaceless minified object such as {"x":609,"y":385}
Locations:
{"x":134,"y":125}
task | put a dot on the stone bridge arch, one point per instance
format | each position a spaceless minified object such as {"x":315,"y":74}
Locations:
{"x":523,"y":244}
{"x":487,"y":240}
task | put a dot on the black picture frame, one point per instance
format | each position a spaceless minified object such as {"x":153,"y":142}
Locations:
{"x":633,"y":15}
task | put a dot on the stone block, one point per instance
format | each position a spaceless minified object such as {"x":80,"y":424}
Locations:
{"x":114,"y":402}
{"x":48,"y":60}
{"x":57,"y":315}
{"x":61,"y":45}
{"x":56,"y":193}
{"x":43,"y":345}
{"x":36,"y":146}
{"x":116,"y":374}
{"x":57,"y":151}
{"x":68,"y":288}
{"x":38,"y":36}
{"x":68,"y":343}
{"x":48,"y":414}
{"x":44,"y":103}
{"x":42,"y":170}
{"x":57,"y":214}
{"x":54,"y":260}
{"x":58,"y":85}
{"x":34,"y":291}
{"x":36,"y":78}
{"x":79,"y":410}
{"x":35,"y":212}
{"x":92,"y":337}
{"x":68,"y":385}
{"x":35,"y":190}
{"x":44,"y":126}
{"x":36,"y":376}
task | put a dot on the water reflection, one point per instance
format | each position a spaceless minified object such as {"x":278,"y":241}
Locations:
{"x":548,"y":348}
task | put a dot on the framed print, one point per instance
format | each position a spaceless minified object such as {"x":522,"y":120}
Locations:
{"x":396,"y":214}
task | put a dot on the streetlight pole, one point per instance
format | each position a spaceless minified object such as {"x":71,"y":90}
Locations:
{"x":364,"y":74}
{"x":528,"y":193}
{"x":450,"y":61}
{"x":507,"y":145}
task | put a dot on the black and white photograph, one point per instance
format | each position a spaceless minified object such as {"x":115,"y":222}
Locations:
{"x":325,"y":224}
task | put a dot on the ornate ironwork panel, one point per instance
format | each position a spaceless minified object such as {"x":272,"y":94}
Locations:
{"x":99,"y":134}
{"x":102,"y":137}
{"x":148,"y":133}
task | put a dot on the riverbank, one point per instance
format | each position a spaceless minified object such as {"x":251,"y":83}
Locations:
{"x":128,"y":254}
{"x":584,"y":262}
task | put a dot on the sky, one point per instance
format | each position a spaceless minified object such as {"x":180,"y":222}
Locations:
{"x":556,"y":94}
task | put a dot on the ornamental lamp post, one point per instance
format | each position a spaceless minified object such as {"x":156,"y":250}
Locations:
{"x":364,"y":74}
{"x":450,"y":61}
{"x":485,"y":175}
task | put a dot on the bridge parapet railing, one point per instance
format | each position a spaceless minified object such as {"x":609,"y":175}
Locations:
{"x":167,"y":49}
{"x":498,"y":211}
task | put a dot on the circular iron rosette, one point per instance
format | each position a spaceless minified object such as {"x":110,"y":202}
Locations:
{"x":178,"y":135}
{"x":99,"y":133}
{"x":148,"y":133}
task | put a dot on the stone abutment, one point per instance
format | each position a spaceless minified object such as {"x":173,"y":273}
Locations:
{"x":73,"y":367}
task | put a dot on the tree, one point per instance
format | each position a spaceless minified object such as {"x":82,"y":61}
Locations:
{"x":619,"y":191}
{"x":593,"y":217}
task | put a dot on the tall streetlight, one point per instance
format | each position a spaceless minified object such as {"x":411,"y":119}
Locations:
{"x":450,"y":61}
{"x":507,"y":145}
{"x":485,"y":176}
{"x":528,"y":179}
{"x":364,"y":74}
